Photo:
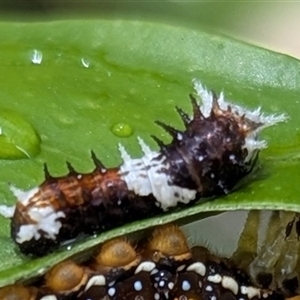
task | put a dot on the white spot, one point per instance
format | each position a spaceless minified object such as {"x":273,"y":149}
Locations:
{"x":119,"y":202}
{"x":111,"y":291}
{"x":171,"y":285}
{"x":145,"y":148}
{"x":213,"y":298}
{"x":185,"y":286}
{"x":49,"y":297}
{"x":24,"y":196}
{"x":7,"y":211}
{"x":37,"y":57}
{"x":232,"y":157}
{"x":111,"y":283}
{"x":209,"y":288}
{"x":79,"y":176}
{"x":124,"y":155}
{"x":179,"y":136}
{"x":146,"y":266}
{"x":215,"y":278}
{"x":230,"y":284}
{"x":250,"y":291}
{"x":156,"y":296}
{"x":212,"y":175}
{"x":95,"y":280}
{"x":267,"y":294}
{"x":201,"y":157}
{"x":197,"y":267}
{"x":180,"y":268}
{"x":85,"y":62}
{"x":138,"y":285}
{"x":161,"y":284}
{"x":45,"y":219}
{"x":154,"y":271}
{"x":200,"y":284}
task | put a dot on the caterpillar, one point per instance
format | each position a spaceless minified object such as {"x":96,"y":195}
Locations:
{"x":217,"y":148}
{"x":166,"y":268}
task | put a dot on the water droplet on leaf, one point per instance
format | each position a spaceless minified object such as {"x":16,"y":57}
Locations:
{"x":18,"y":138}
{"x":121,"y":129}
{"x":36,"y":57}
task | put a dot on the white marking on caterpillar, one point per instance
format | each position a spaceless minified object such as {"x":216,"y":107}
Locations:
{"x":171,"y":285}
{"x":180,"y":268}
{"x":198,"y":268}
{"x":268,"y":293}
{"x":161,"y":284}
{"x":138,"y":285}
{"x":230,"y":284}
{"x":209,"y":288}
{"x":146,"y":266}
{"x":145,"y":176}
{"x":214,"y":278}
{"x":45,"y":219}
{"x":186,"y":286}
{"x":95,"y":280}
{"x":49,"y":297}
{"x":256,"y":116}
{"x":124,"y":155}
{"x":24,"y":196}
{"x":145,"y":148}
{"x":7,"y":211}
{"x":111,"y":292}
{"x":250,"y":291}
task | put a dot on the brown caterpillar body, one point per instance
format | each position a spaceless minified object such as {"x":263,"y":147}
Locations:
{"x":218,"y":147}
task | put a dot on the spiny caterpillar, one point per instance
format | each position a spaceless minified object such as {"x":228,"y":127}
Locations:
{"x":165,"y":268}
{"x":218,"y":147}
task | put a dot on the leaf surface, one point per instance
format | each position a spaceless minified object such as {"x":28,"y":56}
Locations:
{"x":95,"y":76}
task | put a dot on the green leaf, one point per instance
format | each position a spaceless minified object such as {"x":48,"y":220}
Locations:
{"x":17,"y":139}
{"x":95,"y":74}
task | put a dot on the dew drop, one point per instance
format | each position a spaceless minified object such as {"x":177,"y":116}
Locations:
{"x":85,"y":62}
{"x":36,"y":57}
{"x":18,"y":138}
{"x":122,"y":129}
